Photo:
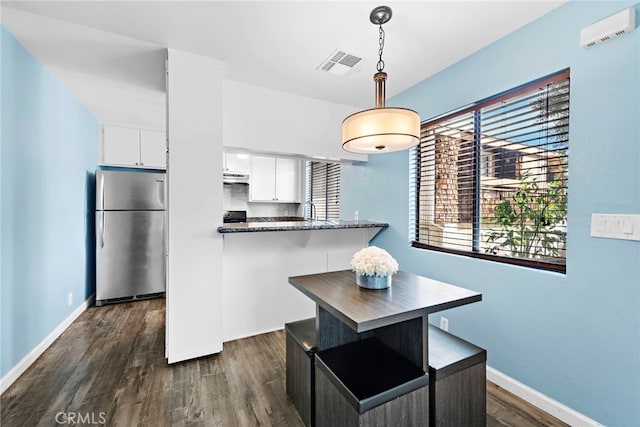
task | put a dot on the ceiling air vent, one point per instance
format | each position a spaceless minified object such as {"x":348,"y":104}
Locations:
{"x":340,"y":62}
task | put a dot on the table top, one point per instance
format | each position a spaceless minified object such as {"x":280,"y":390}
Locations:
{"x":409,"y":296}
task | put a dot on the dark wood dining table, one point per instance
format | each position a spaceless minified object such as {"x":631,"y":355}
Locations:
{"x":397,"y":316}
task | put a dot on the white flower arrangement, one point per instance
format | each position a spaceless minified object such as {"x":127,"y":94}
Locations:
{"x":373,"y":261}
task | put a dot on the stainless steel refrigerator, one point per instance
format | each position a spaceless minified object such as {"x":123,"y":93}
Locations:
{"x":130,"y":227}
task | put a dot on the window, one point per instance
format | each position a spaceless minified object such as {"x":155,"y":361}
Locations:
{"x":491,"y":179}
{"x":323,"y":190}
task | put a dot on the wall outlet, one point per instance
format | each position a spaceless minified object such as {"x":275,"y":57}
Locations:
{"x":444,"y":323}
{"x":70,"y":298}
{"x":356,"y":215}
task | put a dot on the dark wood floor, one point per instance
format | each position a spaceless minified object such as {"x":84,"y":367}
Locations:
{"x":109,"y":368}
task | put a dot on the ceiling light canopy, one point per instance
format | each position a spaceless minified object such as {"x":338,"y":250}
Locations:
{"x":381,"y":129}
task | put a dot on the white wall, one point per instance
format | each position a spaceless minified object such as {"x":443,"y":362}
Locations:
{"x":194,"y":190}
{"x":267,"y":120}
{"x":257,"y":295}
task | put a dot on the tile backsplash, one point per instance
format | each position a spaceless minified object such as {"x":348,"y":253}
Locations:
{"x":236,"y":198}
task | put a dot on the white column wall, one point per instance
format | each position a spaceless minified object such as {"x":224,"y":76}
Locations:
{"x":194,"y":192}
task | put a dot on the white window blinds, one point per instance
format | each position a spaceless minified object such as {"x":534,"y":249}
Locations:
{"x":491,"y":179}
{"x":323,"y":189}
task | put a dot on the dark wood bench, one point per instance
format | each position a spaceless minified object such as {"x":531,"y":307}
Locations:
{"x":366,"y":383}
{"x":457,"y":381}
{"x":300,"y":377}
{"x":457,"y":376}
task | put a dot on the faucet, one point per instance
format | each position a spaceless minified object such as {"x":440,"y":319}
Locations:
{"x":313,"y":212}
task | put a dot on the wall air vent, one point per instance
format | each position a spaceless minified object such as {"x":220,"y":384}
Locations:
{"x":608,"y":28}
{"x":340,"y":62}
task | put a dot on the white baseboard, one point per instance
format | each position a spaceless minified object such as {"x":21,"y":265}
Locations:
{"x":26,"y":361}
{"x":539,"y":400}
{"x":252,"y":334}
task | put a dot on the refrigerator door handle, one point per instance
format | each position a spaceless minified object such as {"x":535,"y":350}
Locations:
{"x":102,"y":194}
{"x":102,"y":230}
{"x":160,"y":183}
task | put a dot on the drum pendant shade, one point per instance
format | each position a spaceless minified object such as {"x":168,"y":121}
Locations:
{"x":381,"y":130}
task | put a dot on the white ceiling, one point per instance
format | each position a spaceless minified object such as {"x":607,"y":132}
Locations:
{"x":110,"y":54}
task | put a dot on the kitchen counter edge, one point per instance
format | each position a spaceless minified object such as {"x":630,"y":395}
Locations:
{"x":250,"y":227}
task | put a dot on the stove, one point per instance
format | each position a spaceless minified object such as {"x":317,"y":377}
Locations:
{"x":234,"y":217}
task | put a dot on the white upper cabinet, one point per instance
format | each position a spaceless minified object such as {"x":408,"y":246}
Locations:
{"x":123,"y":146}
{"x":274,"y":180}
{"x":120,"y":146}
{"x":153,"y":149}
{"x":287,"y":180}
{"x":262,"y":179}
{"x":236,"y":162}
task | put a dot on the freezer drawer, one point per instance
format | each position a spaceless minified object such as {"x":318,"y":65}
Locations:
{"x":130,"y":255}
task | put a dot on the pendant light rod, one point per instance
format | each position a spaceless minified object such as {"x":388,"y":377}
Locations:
{"x":380,"y":78}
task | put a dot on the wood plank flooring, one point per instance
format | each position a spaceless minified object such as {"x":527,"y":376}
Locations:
{"x":108,"y":368}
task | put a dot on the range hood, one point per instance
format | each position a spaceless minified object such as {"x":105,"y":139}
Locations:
{"x":229,"y":177}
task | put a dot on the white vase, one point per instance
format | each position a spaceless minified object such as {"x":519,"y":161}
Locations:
{"x":373,"y":282}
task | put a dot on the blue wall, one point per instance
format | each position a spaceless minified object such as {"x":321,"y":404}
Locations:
{"x":48,"y":152}
{"x":573,"y":337}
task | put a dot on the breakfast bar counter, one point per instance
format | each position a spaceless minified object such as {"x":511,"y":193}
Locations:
{"x":247,"y":227}
{"x":259,"y":256}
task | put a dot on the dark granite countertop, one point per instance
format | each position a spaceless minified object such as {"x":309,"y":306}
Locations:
{"x":245,"y":227}
{"x":274,"y":218}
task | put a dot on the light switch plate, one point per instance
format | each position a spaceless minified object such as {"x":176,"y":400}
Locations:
{"x":616,"y":226}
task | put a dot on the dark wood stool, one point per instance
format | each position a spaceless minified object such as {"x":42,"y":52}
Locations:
{"x":301,"y":346}
{"x":457,"y":381}
{"x":365,"y":383}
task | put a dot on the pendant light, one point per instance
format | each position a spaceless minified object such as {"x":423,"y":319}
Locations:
{"x":380,"y":129}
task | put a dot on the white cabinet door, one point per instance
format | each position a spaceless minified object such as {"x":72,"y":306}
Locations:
{"x":153,"y":149}
{"x":237,"y":162}
{"x":262,"y":179}
{"x":274,"y":180}
{"x":121,"y":146}
{"x":287,"y":177}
